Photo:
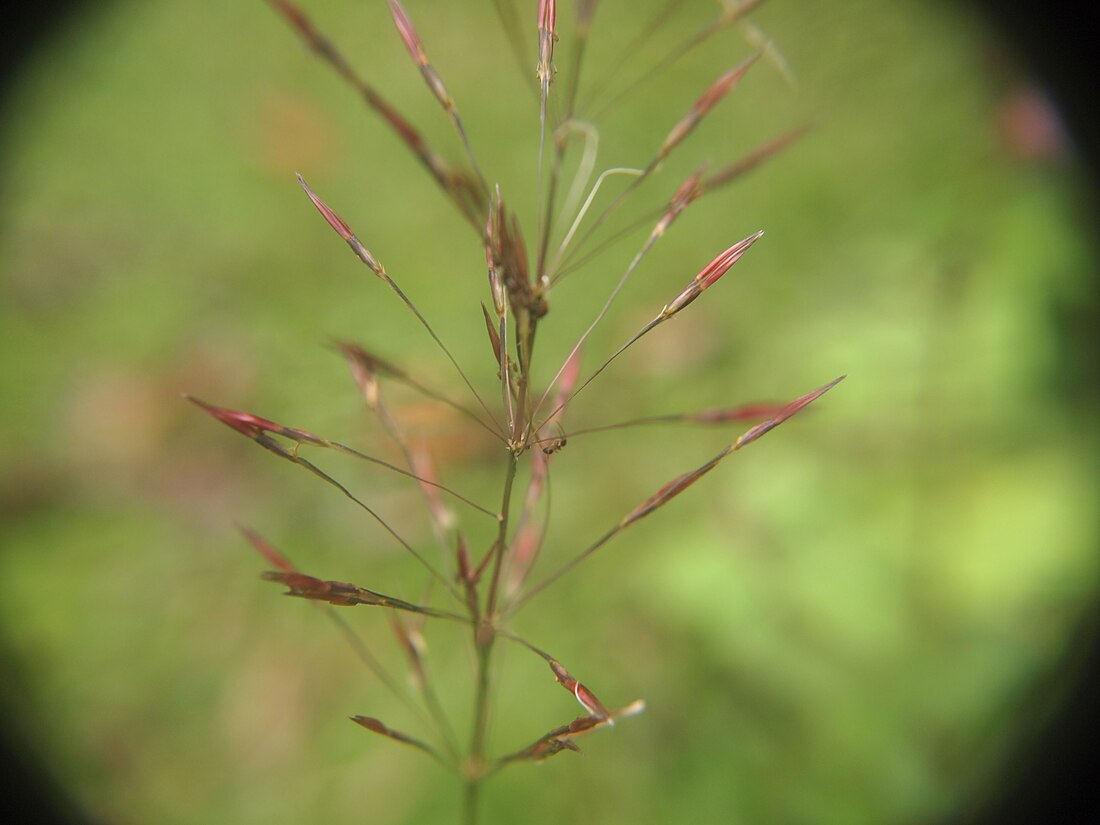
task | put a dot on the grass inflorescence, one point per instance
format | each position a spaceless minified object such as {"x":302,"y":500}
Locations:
{"x":481,"y":589}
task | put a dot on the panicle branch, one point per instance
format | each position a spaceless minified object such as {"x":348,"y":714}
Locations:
{"x":364,"y":254}
{"x":459,"y":187}
{"x":679,"y":132}
{"x":257,"y":429}
{"x":677,"y":485}
{"x":687,"y":192}
{"x":732,"y":12}
{"x":413,"y":43}
{"x":707,"y":101}
{"x":497,"y":585}
{"x":706,"y":278}
{"x":376,"y":726}
{"x":712,"y":182}
{"x":744,"y":412}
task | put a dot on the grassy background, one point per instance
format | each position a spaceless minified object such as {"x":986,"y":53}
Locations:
{"x":857,"y":620}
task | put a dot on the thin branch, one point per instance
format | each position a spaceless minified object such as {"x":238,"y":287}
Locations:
{"x":707,"y":277}
{"x":363,"y":254}
{"x":732,"y":12}
{"x":415,"y":46}
{"x":455,"y":184}
{"x":677,"y":486}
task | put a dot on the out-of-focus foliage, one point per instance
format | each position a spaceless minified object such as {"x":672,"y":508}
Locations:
{"x":855,"y":620}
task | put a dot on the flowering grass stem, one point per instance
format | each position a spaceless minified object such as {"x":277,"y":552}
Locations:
{"x":490,"y":584}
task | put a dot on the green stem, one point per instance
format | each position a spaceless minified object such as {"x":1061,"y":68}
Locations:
{"x":484,"y":636}
{"x":469,"y":802}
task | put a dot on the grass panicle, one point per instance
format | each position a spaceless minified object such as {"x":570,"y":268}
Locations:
{"x":480,"y":589}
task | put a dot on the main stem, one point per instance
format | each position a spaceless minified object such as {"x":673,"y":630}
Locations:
{"x":484,"y":636}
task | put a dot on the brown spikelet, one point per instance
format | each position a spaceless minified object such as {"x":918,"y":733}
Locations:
{"x":586,"y":697}
{"x":376,"y":726}
{"x":561,"y":738}
{"x":341,"y":594}
{"x":510,"y":263}
{"x":494,"y":336}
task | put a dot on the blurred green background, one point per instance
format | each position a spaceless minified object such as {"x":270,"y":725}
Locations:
{"x":859,"y":619}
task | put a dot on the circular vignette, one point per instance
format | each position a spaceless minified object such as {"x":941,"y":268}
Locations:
{"x":1051,"y":779}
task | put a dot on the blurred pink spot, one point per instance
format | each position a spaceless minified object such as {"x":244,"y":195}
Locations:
{"x":1030,"y":126}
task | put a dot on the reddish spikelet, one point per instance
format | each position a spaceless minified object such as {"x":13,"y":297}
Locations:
{"x":415,"y":45}
{"x":721,"y":87}
{"x":245,"y":423}
{"x":362,"y":361}
{"x":547,"y":13}
{"x":266,"y":549}
{"x":254,"y":426}
{"x":527,"y":541}
{"x":424,"y":469}
{"x":408,"y":33}
{"x":412,"y":647}
{"x":707,"y":101}
{"x":710,"y":274}
{"x":666,"y":494}
{"x":689,"y":191}
{"x":570,"y":374}
{"x":568,"y":379}
{"x":334,"y":220}
{"x":721,"y":265}
{"x":342,"y":229}
{"x":791,"y":409}
{"x":524,"y":548}
{"x":364,"y":375}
